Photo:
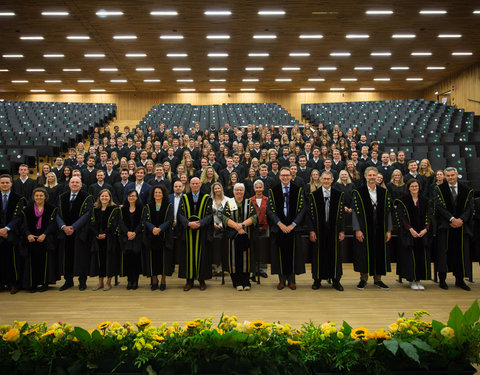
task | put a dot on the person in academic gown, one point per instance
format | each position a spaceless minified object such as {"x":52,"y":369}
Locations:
{"x":326,"y":226}
{"x":454,"y":210}
{"x":158,"y":221}
{"x":74,"y":210}
{"x":286,"y":210}
{"x":131,"y":238}
{"x":39,"y":243}
{"x":240,"y":217}
{"x":195,"y":215}
{"x":104,"y":236}
{"x":414,"y":213}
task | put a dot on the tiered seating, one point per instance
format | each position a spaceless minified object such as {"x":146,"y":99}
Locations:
{"x":443,"y":134}
{"x":31,"y":129}
{"x":240,"y":114}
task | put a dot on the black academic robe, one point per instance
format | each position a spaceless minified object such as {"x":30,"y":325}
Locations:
{"x":130,"y":260}
{"x":287,"y":255}
{"x":40,"y":265}
{"x":326,"y":251}
{"x":105,"y":259}
{"x":76,"y":245}
{"x":196,"y":254}
{"x":453,"y":245}
{"x":24,"y":189}
{"x":414,"y":259}
{"x":158,"y":253}
{"x":372,"y":255}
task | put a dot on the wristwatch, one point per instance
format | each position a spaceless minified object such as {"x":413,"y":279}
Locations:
{"x":243,"y":226}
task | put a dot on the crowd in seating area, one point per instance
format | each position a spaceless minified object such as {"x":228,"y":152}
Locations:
{"x":137,"y":201}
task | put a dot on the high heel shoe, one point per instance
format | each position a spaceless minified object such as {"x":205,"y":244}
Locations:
{"x":163,"y":287}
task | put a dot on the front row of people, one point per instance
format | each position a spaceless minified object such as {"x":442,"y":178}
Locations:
{"x":84,"y":238}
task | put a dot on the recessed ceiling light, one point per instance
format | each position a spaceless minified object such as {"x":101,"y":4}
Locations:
{"x":218,"y":36}
{"x":171,"y":37}
{"x":35,"y":70}
{"x":118,"y":80}
{"x":382,"y":79}
{"x":250,"y":80}
{"x":55,"y":14}
{"x":218,"y":54}
{"x":151,"y":80}
{"x":427,"y":11}
{"x":177,"y":55}
{"x":85,"y":81}
{"x":449,"y":35}
{"x":293,"y":68}
{"x":97,"y":90}
{"x":12,"y":56}
{"x":364,"y":68}
{"x":247,"y":89}
{"x":37,"y":90}
{"x":71,"y":69}
{"x":124,"y":37}
{"x":462,"y":53}
{"x":218,"y":13}
{"x":421,"y":54}
{"x":187,"y":89}
{"x":53,"y":55}
{"x":108,"y":69}
{"x":19,"y":81}
{"x":327,"y":68}
{"x":381,"y":54}
{"x":4,"y":70}
{"x":316,"y":79}
{"x":109,"y":13}
{"x":399,"y":68}
{"x":164,"y":13}
{"x":33,"y":37}
{"x":218,"y":80}
{"x":283,"y":80}
{"x":414,"y":79}
{"x":348,"y":79}
{"x":53,"y":81}
{"x":435,"y":67}
{"x":144,"y":69}
{"x":184,"y":80}
{"x":217,"y":89}
{"x":264,"y":36}
{"x":78,"y":37}
{"x":476,"y":12}
{"x":254,"y":68}
{"x":271,"y":12}
{"x":299,"y":54}
{"x":310,"y":36}
{"x":217,"y":69}
{"x":337,"y":88}
{"x":7,"y":14}
{"x":94,"y":55}
{"x":307,"y":89}
{"x":379,"y":12}
{"x":135,"y":55}
{"x":68,"y":90}
{"x":340,"y":54}
{"x":357,"y":36}
{"x":181,"y":69}
{"x":367,"y":88}
{"x":258,"y":54}
{"x":403,"y":36}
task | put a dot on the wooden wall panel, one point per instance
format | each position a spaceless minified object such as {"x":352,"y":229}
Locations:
{"x":133,"y":106}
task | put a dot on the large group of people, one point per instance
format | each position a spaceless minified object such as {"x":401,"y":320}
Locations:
{"x":136,"y":203}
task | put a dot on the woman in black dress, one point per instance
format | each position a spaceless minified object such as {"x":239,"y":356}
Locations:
{"x":158,"y":219}
{"x":131,"y":228}
{"x":53,"y":188}
{"x":104,"y":224}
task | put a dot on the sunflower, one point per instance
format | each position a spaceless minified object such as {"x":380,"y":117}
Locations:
{"x":144,"y":322}
{"x":30,"y":331}
{"x":104,"y":325}
{"x":12,"y":335}
{"x":48,"y":333}
{"x":192,"y":324}
{"x":361,"y":333}
{"x":258,"y":324}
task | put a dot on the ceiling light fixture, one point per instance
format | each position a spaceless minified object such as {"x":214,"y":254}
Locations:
{"x":340,"y":54}
{"x":337,"y":88}
{"x":71,"y":69}
{"x":299,"y":54}
{"x":247,"y":89}
{"x":379,"y":12}
{"x":53,"y":55}
{"x":97,"y":90}
{"x":363,"y":68}
{"x":218,"y":13}
{"x":283,"y":80}
{"x":403,"y":36}
{"x":108,"y":13}
{"x":144,"y":69}
{"x":171,"y":37}
{"x":218,"y":69}
{"x":316,"y":79}
{"x":310,"y":36}
{"x":33,"y":37}
{"x":264,"y":36}
{"x":164,"y":13}
{"x":381,"y":54}
{"x":462,"y":53}
{"x":327,"y":68}
{"x":151,"y":80}
{"x":124,"y":37}
{"x":271,"y":12}
{"x":55,"y":14}
{"x":451,"y":36}
{"x":250,"y":80}
{"x":357,"y":36}
{"x":427,"y":11}
{"x":421,"y":54}
{"x":218,"y":36}
{"x":78,"y":37}
{"x":85,"y":81}
{"x":12,"y":56}
{"x":182,"y":69}
{"x":254,"y":68}
{"x":37,"y":90}
{"x":177,"y":55}
{"x":135,"y":55}
{"x":218,"y":54}
{"x":108,"y":69}
{"x":94,"y":55}
{"x":187,"y":89}
{"x":258,"y":54}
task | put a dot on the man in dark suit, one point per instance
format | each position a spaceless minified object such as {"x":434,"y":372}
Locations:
{"x":413,"y":173}
{"x":159,"y":178}
{"x":263,"y":176}
{"x":224,"y":175}
{"x":142,"y":188}
{"x":11,"y":205}
{"x":256,"y":151}
{"x":80,"y":163}
{"x":122,"y":151}
{"x":95,"y":188}
{"x":283,"y":160}
{"x":316,"y":162}
{"x":307,"y":151}
{"x":297,"y":180}
{"x":171,"y":159}
{"x":59,"y":166}
{"x":337,"y":163}
{"x":385,"y":169}
{"x":24,"y":185}
{"x":213,"y":163}
{"x":89,"y":174}
{"x":175,"y":199}
{"x":400,"y":163}
{"x":72,"y":157}
{"x":111,"y":175}
{"x":118,"y":189}
{"x":102,"y":164}
{"x":303,"y":171}
{"x":327,"y":163}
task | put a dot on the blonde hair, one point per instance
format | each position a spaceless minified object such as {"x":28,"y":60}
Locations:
{"x":428,"y":171}
{"x":98,"y":204}
{"x":401,"y":178}
{"x":203,"y":176}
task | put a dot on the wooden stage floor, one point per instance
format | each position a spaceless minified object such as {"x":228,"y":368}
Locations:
{"x":372,"y":307}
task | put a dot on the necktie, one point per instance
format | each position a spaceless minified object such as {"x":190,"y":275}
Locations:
{"x":287,"y":201}
{"x":4,"y":202}
{"x":195,"y":198}
{"x":327,"y":205}
{"x":454,"y":193}
{"x":72,"y":199}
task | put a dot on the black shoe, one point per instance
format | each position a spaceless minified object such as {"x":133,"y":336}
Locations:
{"x":43,"y":288}
{"x":462,"y":285}
{"x":316,"y":284}
{"x":163,"y":287}
{"x":33,"y":289}
{"x":67,"y":285}
{"x":336,"y":285}
{"x":129,"y":285}
{"x":442,"y":284}
{"x":154,"y":286}
{"x":134,"y":285}
{"x":361,"y":285}
{"x":253,"y":278}
{"x":264,"y":275}
{"x":82,"y":286}
{"x":381,"y":285}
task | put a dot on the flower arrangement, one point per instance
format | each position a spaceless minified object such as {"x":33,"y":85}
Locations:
{"x":250,"y":347}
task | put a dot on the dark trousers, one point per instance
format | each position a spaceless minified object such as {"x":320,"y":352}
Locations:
{"x":240,"y":279}
{"x":284,"y":278}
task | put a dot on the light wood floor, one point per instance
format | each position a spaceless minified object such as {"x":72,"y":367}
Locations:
{"x":372,"y":307}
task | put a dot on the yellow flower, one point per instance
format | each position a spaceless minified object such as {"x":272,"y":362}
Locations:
{"x":447,"y":332}
{"x":361,"y":333}
{"x":30,"y":331}
{"x":123,"y":348}
{"x":325,"y":326}
{"x":103,"y":325}
{"x":220,"y":331}
{"x":18,"y":325}
{"x":322,"y":337}
{"x":48,"y":333}
{"x":393,"y":327}
{"x":292,"y":342}
{"x":12,"y":335}
{"x":116,"y":325}
{"x":380,"y":334}
{"x":258,"y":324}
{"x":54,"y":326}
{"x":192,"y":324}
{"x":5,"y":328}
{"x":149,"y":346}
{"x":158,"y":338}
{"x":144,"y":322}
{"x":340,"y":335}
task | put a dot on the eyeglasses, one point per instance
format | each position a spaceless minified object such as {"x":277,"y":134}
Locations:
{"x":284,"y":175}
